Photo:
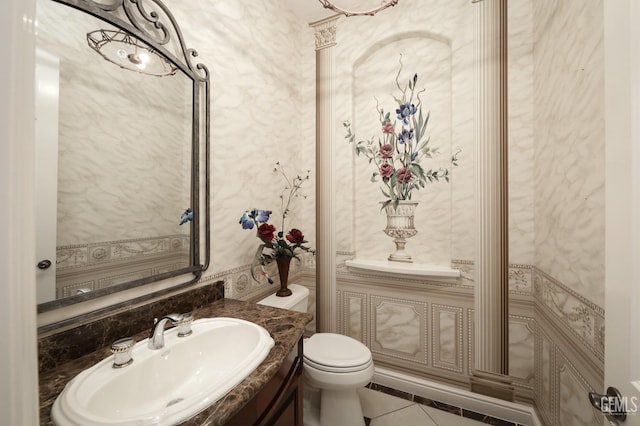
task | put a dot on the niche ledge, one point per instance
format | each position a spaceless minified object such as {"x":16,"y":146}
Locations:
{"x":421,"y":270}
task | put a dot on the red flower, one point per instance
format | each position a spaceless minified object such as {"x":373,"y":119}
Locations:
{"x":404,"y":175}
{"x":295,"y":236}
{"x":265,"y":232}
{"x":386,"y":170}
{"x":386,"y":151}
{"x":388,"y":129}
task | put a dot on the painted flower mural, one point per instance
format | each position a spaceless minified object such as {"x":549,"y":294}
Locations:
{"x":397,"y":153}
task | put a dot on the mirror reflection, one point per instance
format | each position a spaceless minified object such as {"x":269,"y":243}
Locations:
{"x":114,"y":161}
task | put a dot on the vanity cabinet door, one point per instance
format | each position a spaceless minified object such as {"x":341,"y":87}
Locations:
{"x":288,"y":412}
{"x":279,"y":403}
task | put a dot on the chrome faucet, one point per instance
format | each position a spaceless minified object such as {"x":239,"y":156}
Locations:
{"x":156,"y":338}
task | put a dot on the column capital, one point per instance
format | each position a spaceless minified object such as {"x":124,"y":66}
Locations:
{"x":325,"y":32}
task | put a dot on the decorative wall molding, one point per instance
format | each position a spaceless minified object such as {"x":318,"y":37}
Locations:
{"x":109,"y":252}
{"x":82,"y":268}
{"x":355,"y":316}
{"x":544,"y":359}
{"x":573,"y":406}
{"x":520,"y":276}
{"x":551,"y":330}
{"x":565,"y":375}
{"x":582,"y":317}
{"x":325,"y":32}
{"x":239,"y":284}
{"x":447,"y":337}
{"x":522,"y":338}
{"x":399,"y":328}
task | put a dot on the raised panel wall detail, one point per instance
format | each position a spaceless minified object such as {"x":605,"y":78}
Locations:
{"x":355,"y":316}
{"x":399,"y":328}
{"x":447,"y":337}
{"x":545,"y":390}
{"x":574,"y":408}
{"x":521,"y":347}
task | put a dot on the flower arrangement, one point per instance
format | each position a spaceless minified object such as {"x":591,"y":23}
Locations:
{"x":396,"y":155}
{"x":277,"y":243}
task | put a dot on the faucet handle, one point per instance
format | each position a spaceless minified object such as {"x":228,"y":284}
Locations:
{"x":184,"y":324}
{"x":121,"y":350}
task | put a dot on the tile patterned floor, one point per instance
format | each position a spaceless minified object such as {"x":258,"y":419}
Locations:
{"x":384,"y":406}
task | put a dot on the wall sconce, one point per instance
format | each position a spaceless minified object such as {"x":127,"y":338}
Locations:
{"x":385,"y":4}
{"x":127,"y":52}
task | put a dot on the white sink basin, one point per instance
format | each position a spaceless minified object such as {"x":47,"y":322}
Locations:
{"x":169,"y":385}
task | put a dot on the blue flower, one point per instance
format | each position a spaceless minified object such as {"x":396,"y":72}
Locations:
{"x":405,"y":136}
{"x":261,"y":216}
{"x":186,"y":216}
{"x":246,"y":221}
{"x":414,"y":156}
{"x":254,"y":216}
{"x":404,"y":111}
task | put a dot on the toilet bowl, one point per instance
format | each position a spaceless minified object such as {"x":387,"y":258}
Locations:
{"x":334,"y":367}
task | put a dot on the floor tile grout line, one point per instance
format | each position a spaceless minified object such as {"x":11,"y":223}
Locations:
{"x":387,"y":391}
{"x":422,"y":407}
{"x":394,"y":411}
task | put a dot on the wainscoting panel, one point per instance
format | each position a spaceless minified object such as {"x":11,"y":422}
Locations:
{"x":521,"y":347}
{"x":522,"y":341}
{"x":447,"y":345}
{"x":399,"y":328}
{"x":573,"y":405}
{"x":425,"y":328}
{"x":566,"y":371}
{"x":355,"y":316}
{"x":544,"y":368}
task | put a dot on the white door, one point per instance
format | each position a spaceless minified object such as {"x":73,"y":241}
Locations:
{"x":46,"y":159}
{"x":622,"y":253}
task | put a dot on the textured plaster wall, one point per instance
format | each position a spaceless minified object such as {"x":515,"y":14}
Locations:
{"x":262,"y":66}
{"x":569,"y":152}
{"x":436,"y":43}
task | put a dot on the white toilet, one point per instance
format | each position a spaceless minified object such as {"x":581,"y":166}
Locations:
{"x":334,"y":367}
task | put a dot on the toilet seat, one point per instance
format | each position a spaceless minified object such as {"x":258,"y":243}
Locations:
{"x":331,"y":369}
{"x":336,"y":353}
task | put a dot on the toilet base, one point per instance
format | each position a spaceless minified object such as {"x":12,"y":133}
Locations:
{"x":340,"y":408}
{"x":311,"y":406}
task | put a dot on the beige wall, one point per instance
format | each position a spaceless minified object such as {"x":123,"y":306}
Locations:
{"x":569,"y":150}
{"x":569,"y":203}
{"x":262,"y":68}
{"x":556,"y":205}
{"x":262,"y":112}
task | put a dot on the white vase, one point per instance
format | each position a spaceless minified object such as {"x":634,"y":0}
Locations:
{"x":400,"y":227}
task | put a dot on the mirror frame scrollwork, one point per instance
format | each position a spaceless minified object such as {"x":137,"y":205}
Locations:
{"x":141,"y":19}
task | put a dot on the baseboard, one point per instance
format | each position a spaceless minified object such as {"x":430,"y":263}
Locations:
{"x":510,"y":411}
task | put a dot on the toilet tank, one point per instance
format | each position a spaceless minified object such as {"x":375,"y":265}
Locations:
{"x":297,"y":301}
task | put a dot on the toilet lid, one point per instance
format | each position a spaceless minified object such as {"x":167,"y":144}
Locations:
{"x":335,"y":352}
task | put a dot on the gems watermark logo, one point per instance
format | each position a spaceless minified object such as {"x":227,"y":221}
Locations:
{"x":618,"y":405}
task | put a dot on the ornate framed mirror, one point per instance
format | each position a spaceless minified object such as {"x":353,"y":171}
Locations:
{"x":122,"y":142}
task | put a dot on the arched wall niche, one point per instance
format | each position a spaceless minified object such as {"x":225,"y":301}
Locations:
{"x":366,"y":75}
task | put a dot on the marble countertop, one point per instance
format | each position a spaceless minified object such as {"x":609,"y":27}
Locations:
{"x":286,"y":327}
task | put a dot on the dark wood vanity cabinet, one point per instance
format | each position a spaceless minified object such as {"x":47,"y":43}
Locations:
{"x":279,"y":403}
